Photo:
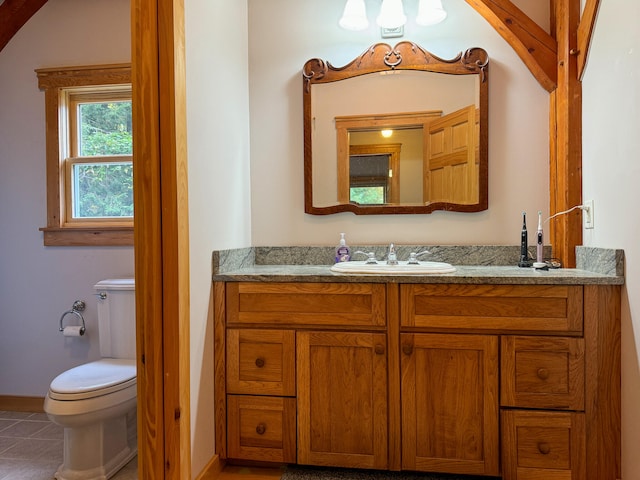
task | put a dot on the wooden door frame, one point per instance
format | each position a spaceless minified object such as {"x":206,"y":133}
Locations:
{"x":161,"y":239}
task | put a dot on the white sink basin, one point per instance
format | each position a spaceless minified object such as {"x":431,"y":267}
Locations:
{"x":403,"y":268}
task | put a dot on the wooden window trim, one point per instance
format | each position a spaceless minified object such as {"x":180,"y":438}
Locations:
{"x":52,"y":81}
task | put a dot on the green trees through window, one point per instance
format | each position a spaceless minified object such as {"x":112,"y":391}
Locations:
{"x":105,"y":129}
{"x":104,"y":188}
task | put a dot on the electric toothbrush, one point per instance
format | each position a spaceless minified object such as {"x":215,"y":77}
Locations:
{"x":524,"y":247}
{"x":539,"y":263}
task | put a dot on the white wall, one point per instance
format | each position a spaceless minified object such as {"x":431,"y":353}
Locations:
{"x":219,"y":191}
{"x":37,"y":283}
{"x":611,"y":175}
{"x":284,"y":34}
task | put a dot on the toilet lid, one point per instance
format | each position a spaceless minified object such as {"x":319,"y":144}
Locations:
{"x":93,"y":379}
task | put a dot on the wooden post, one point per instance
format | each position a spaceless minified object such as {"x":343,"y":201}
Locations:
{"x":565,"y":134}
{"x":161,"y":239}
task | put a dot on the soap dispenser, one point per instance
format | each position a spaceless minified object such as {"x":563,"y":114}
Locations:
{"x":343,"y":252}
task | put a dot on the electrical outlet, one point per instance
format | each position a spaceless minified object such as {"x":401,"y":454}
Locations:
{"x":587,"y":214}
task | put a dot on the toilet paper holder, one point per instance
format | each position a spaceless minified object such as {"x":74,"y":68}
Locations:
{"x":76,"y":309}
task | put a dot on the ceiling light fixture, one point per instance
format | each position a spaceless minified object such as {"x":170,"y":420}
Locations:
{"x":430,"y":12}
{"x":354,"y":16}
{"x":391,"y":16}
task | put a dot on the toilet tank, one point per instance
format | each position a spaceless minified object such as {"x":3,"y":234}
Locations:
{"x":117,"y":317}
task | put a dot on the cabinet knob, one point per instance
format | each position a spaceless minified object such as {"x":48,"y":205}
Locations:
{"x":543,"y":373}
{"x":261,"y":428}
{"x":544,"y":448}
{"x":407,"y":349}
{"x":259,"y":362}
{"x":379,"y":349}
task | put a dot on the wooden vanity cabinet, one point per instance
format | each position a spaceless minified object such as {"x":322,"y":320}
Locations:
{"x":306,"y":373}
{"x":517,"y":381}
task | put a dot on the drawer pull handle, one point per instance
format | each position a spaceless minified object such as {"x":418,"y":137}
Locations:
{"x":379,"y":349}
{"x":544,"y":448}
{"x":261,"y":428}
{"x":260,"y":362}
{"x":407,"y":349}
{"x":543,"y":373}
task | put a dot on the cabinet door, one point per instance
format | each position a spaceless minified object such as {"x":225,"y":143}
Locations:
{"x":450,"y":403}
{"x":342,"y":399}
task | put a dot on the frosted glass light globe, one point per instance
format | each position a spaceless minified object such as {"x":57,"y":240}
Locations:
{"x":391,"y":14}
{"x":430,"y":12}
{"x":354,"y":16}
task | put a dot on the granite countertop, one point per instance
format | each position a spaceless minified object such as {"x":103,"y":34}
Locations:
{"x":305,"y":264}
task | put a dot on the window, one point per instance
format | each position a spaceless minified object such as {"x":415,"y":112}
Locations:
{"x":89,"y":155}
{"x":369,"y":178}
{"x":374,"y":174}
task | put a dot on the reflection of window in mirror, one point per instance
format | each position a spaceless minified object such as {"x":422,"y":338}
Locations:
{"x":371,"y":174}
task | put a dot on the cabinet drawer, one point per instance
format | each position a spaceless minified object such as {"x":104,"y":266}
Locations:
{"x":538,"y":445}
{"x":542,"y":372}
{"x":343,"y":305}
{"x":262,"y":428}
{"x":261,"y":362}
{"x":553,"y":309}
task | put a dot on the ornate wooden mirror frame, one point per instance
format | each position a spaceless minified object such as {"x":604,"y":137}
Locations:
{"x":466,"y":167}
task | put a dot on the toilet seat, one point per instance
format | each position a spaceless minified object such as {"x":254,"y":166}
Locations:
{"x":94,"y":379}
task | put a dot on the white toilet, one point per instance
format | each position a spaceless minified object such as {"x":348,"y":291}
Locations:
{"x":96,"y":402}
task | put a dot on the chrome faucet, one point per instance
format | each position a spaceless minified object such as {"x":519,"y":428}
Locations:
{"x":392,"y":259}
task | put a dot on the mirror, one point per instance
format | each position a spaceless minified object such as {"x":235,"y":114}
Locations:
{"x":397,"y":130}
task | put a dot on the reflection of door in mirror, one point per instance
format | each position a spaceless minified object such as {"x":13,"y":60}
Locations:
{"x":451,"y":161}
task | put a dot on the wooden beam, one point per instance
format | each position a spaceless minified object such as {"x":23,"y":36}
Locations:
{"x":585,"y":32}
{"x":536,"y":48}
{"x":13,"y":15}
{"x":565,"y":182}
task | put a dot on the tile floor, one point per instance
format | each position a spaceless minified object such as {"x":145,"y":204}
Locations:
{"x":31,"y":448}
